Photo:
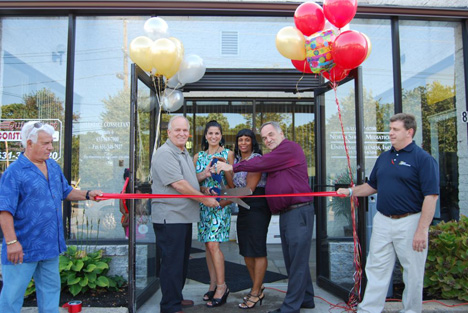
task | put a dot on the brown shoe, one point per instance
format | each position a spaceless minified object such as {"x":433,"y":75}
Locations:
{"x":187,"y":303}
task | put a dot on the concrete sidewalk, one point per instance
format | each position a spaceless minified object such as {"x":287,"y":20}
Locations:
{"x":274,"y":294}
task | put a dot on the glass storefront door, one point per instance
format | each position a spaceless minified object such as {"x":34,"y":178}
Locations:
{"x":335,"y":244}
{"x":144,"y":112}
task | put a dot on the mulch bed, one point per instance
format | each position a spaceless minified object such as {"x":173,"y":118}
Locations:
{"x":94,"y":298}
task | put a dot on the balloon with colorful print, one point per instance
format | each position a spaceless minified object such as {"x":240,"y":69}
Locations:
{"x":318,"y":51}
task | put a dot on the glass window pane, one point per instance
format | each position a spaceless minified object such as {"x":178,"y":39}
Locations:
{"x":432,"y":82}
{"x":32,"y":81}
{"x":378,"y":93}
{"x":101,"y":109}
{"x":254,"y":48}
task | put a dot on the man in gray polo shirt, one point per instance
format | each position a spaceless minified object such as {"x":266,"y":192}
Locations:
{"x":173,"y":172}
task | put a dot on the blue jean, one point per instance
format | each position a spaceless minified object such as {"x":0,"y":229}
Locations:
{"x":16,"y":279}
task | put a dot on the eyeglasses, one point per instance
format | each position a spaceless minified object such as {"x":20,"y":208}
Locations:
{"x":38,"y":125}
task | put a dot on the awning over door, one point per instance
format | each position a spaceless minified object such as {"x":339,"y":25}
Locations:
{"x":254,"y":80}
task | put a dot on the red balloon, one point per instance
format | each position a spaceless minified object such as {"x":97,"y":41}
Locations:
{"x":309,"y":18}
{"x":349,"y":49}
{"x":302,"y":66}
{"x":339,"y":12}
{"x":336,"y":74}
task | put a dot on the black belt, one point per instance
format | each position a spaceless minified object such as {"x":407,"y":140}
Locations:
{"x":295,"y":206}
{"x":395,"y":217}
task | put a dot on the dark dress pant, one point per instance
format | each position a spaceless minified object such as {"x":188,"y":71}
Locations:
{"x":296,"y":228}
{"x":174,"y":242}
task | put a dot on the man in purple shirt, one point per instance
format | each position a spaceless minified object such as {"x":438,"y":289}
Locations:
{"x":286,"y":166}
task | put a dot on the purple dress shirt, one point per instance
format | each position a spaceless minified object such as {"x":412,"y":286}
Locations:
{"x":286,"y":166}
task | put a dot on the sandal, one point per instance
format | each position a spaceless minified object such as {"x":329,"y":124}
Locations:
{"x":250,"y":293}
{"x":209,"y":295}
{"x":246,"y":305}
{"x":219,"y":301}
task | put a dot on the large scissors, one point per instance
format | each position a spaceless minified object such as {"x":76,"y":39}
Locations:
{"x":239,"y":192}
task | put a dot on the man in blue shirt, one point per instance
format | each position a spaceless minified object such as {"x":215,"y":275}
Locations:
{"x":31,"y":193}
{"x":407,"y":180}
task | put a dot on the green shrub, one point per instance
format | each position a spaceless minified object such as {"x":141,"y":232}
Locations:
{"x":447,"y":260}
{"x":81,"y":270}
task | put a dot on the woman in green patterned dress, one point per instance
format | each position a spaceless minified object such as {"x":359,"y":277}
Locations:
{"x":215,"y":223}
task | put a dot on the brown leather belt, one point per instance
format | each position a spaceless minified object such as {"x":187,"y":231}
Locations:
{"x":395,"y":217}
{"x":295,"y":206}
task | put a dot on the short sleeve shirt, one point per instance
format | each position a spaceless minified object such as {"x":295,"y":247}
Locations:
{"x":240,"y":178}
{"x":170,"y":165}
{"x":36,"y":206}
{"x":403,"y":178}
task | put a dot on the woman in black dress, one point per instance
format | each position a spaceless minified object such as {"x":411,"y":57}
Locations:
{"x":252,"y":225}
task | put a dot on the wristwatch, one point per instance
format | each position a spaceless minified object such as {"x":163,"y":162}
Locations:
{"x":87,"y":194}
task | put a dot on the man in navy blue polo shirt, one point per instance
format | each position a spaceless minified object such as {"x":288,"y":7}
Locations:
{"x":407,"y":180}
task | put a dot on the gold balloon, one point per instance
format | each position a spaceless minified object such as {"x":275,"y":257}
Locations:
{"x":180,"y":54}
{"x":290,"y":42}
{"x":139,"y":52}
{"x":369,"y":46}
{"x":180,"y":47}
{"x":165,"y":57}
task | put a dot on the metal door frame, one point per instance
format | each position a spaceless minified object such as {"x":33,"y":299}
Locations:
{"x":137,"y":74}
{"x":321,"y":225}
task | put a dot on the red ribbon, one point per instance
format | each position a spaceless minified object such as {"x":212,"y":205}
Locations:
{"x":108,"y":196}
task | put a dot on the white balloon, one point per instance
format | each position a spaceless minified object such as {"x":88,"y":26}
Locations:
{"x":174,"y":82}
{"x":337,"y":30}
{"x":191,"y":69}
{"x":156,"y":27}
{"x":146,"y":105}
{"x":172,"y":100}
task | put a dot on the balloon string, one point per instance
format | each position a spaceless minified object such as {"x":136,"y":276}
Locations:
{"x":109,"y":196}
{"x":158,"y":87}
{"x":158,"y":125}
{"x":303,"y":73}
{"x":355,"y":293}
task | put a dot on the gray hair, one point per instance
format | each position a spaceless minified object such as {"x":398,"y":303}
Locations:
{"x":31,"y":129}
{"x":169,"y":125}
{"x":275,"y":125}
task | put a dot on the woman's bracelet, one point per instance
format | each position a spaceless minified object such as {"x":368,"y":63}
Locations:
{"x":350,"y":192}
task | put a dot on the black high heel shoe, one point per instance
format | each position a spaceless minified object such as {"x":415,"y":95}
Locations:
{"x":262,"y":289}
{"x":209,"y":295}
{"x":219,"y":301}
{"x":246,"y":305}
